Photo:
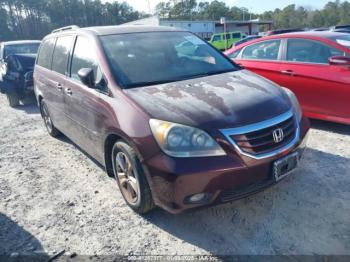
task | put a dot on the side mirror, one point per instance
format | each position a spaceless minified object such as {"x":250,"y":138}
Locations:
{"x":339,"y":61}
{"x":87,"y":77}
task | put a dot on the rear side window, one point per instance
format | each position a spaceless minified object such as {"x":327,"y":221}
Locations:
{"x":61,"y":54}
{"x":45,"y":53}
{"x":83,"y":57}
{"x":300,"y":50}
{"x":267,"y":50}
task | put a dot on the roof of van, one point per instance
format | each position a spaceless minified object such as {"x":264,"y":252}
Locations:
{"x":123,"y":29}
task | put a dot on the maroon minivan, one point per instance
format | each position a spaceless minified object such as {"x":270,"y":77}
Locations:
{"x":175,"y":122}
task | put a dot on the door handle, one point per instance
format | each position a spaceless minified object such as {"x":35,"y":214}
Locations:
{"x":59,"y":87}
{"x":56,"y":84}
{"x":288,"y":72}
{"x":68,"y":91}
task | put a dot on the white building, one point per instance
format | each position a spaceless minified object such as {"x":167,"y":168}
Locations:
{"x":206,"y":29}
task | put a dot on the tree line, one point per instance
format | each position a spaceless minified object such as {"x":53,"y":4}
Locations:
{"x":33,"y":19}
{"x":292,"y":16}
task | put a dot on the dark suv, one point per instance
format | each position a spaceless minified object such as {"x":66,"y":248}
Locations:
{"x":17,"y":61}
{"x":176,"y":129}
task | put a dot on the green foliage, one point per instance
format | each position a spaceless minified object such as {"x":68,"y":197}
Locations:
{"x":33,"y":19}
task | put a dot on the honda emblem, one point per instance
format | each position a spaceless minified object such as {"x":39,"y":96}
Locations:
{"x":278,"y":135}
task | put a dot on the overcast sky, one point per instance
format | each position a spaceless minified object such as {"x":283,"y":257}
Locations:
{"x":257,"y":6}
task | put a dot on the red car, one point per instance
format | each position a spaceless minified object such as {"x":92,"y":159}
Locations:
{"x":314,"y":65}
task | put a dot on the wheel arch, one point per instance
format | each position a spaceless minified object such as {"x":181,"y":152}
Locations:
{"x":109,"y":142}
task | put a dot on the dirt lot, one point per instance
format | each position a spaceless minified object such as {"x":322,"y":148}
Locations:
{"x":53,"y":197}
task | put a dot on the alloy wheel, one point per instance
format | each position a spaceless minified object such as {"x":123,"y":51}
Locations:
{"x":128,"y":182}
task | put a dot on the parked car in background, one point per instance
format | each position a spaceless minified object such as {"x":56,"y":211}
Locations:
{"x":177,"y":130}
{"x":314,"y":65}
{"x":284,"y":31}
{"x":247,"y":39}
{"x":320,"y":29}
{"x":347,"y":27}
{"x":17,"y":61}
{"x":222,"y":41}
{"x":346,"y":31}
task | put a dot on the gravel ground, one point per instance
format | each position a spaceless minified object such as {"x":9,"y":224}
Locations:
{"x":53,"y":197}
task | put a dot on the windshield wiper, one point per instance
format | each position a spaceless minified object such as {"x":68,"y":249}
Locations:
{"x":141,"y":84}
{"x":206,"y":74}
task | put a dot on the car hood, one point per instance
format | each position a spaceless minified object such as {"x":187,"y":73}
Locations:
{"x":224,"y":100}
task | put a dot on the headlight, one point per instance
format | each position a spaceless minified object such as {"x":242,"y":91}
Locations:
{"x":183,"y":141}
{"x":296,"y":107}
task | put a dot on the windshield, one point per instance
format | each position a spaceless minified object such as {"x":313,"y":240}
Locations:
{"x":21,"y":49}
{"x":140,"y":59}
{"x":343,"y":40}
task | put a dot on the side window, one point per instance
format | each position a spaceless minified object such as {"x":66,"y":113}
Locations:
{"x":84,"y":57}
{"x":227,"y":36}
{"x":216,"y":38}
{"x":300,"y":50}
{"x":61,"y":54}
{"x":236,"y":35}
{"x":267,"y":50}
{"x":45,"y":53}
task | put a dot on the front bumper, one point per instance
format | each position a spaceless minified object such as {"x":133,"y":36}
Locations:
{"x":222,"y":178}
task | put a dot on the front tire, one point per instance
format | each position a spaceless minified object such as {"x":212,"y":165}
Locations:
{"x":13,"y":99}
{"x":50,"y":127}
{"x":131,"y":178}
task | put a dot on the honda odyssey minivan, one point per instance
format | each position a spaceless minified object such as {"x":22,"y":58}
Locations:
{"x":176,"y":130}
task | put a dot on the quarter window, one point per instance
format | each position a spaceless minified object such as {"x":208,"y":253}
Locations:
{"x":61,"y":54}
{"x":267,"y":50}
{"x":45,"y":53}
{"x":300,"y":50}
{"x":83,"y":57}
{"x":234,"y":54}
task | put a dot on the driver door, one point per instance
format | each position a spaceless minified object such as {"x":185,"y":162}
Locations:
{"x":83,"y":105}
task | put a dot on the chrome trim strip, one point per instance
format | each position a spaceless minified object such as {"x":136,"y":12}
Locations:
{"x":258,"y":126}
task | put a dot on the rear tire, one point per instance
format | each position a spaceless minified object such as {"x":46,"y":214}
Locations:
{"x":50,"y":127}
{"x":13,"y":99}
{"x":131,"y":178}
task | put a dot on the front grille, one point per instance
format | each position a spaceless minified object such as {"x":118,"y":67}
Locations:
{"x":262,"y":140}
